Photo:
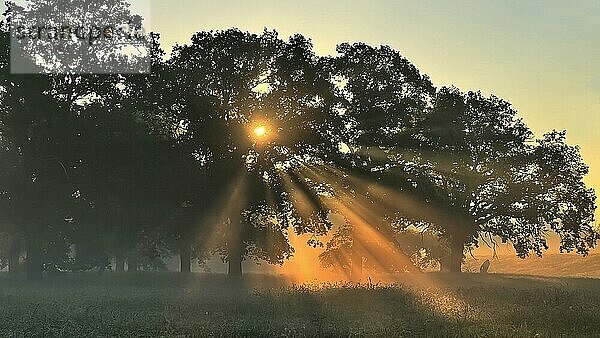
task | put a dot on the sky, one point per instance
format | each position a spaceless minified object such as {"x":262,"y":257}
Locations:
{"x":542,"y":56}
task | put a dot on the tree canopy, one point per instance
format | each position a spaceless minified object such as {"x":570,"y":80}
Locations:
{"x":237,"y":140}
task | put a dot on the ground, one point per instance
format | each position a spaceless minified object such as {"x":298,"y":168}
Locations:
{"x":165,"y":304}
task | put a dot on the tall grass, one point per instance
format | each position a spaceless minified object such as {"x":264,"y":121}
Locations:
{"x":166,"y":304}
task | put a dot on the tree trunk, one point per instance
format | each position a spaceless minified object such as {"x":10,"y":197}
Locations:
{"x":235,"y":266}
{"x":445,"y":264}
{"x":132,"y":264}
{"x":235,"y":257}
{"x":185,"y":258}
{"x":34,"y":260}
{"x":356,"y":268}
{"x":14,"y":252}
{"x":102,"y":264}
{"x":457,"y":250}
{"x":234,"y":246}
{"x":119,"y":263}
{"x":13,"y":263}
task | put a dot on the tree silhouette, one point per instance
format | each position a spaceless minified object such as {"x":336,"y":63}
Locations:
{"x":381,"y":96}
{"x":351,"y":252}
{"x":74,"y":118}
{"x":232,"y":83}
{"x":237,"y":139}
{"x":463,"y":163}
{"x":126,"y":161}
{"x":37,"y":160}
{"x":485,"y":164}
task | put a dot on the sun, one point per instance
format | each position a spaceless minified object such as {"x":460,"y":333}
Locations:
{"x":260,"y":131}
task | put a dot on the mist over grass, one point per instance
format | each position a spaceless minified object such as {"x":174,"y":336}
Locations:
{"x":166,"y":304}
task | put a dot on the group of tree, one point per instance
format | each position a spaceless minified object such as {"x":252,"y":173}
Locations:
{"x":101,"y":169}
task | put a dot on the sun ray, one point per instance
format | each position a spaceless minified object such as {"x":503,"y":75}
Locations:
{"x":232,"y":201}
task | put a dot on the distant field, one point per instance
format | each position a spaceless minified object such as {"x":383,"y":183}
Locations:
{"x":550,"y":265}
{"x":163,"y":304}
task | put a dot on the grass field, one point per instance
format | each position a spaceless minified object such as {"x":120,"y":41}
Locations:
{"x":164,"y":304}
{"x":558,"y":265}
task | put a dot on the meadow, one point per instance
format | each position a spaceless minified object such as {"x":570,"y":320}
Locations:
{"x":552,"y":264}
{"x":169,"y":305}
